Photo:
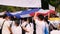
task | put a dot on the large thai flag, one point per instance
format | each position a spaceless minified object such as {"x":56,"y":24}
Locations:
{"x":31,"y":12}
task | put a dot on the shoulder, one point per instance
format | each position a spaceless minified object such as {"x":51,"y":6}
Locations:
{"x":1,"y":19}
{"x":36,"y":20}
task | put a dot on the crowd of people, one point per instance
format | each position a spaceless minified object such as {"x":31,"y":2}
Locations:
{"x":28,"y":25}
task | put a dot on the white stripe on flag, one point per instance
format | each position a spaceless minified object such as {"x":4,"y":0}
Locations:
{"x":27,"y":15}
{"x":16,"y":12}
{"x":43,"y":11}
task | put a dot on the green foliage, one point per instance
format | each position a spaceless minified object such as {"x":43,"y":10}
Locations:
{"x":10,"y":8}
{"x":58,"y":9}
{"x":54,"y":2}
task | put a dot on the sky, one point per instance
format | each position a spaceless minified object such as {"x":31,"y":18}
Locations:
{"x":21,"y":3}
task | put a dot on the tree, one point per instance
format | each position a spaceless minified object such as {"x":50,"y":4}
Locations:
{"x":56,"y":4}
{"x":10,"y":8}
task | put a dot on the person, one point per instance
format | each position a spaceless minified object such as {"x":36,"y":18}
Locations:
{"x":27,"y":27}
{"x":1,"y":22}
{"x":46,"y":20}
{"x":31,"y":25}
{"x":53,"y":23}
{"x":16,"y":28}
{"x":47,"y":23}
{"x":6,"y":25}
{"x":40,"y":24}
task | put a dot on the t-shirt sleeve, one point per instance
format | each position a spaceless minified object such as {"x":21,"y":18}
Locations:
{"x":1,"y":22}
{"x":8,"y":23}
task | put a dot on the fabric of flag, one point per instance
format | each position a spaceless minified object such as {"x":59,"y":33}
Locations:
{"x":26,"y":13}
{"x":30,"y":12}
{"x":8,"y":14}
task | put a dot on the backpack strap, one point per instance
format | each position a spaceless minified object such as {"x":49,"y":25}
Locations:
{"x":26,"y":25}
{"x":2,"y":24}
{"x":11,"y":24}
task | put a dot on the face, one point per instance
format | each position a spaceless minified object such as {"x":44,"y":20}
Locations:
{"x":7,"y":17}
{"x":38,"y":18}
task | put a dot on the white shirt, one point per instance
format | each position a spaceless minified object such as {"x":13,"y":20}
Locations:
{"x":1,"y":22}
{"x":29,"y":27}
{"x":40,"y":26}
{"x":5,"y":29}
{"x":16,"y":29}
{"x":55,"y":32}
{"x":55,"y":23}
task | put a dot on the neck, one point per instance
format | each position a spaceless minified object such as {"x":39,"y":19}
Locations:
{"x":7,"y":19}
{"x":40,"y":20}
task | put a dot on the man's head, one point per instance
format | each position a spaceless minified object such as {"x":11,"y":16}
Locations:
{"x":6,"y":16}
{"x":1,"y":16}
{"x":25,"y":19}
{"x":40,"y":17}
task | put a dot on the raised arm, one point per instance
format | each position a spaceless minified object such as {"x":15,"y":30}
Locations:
{"x":48,"y":15}
{"x":10,"y":30}
{"x":35,"y":16}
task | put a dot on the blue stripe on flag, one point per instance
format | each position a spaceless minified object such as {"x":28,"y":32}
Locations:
{"x":28,"y":12}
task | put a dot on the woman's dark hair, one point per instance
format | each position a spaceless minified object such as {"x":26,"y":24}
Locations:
{"x":12,"y":18}
{"x":17,"y":22}
{"x":46,"y":19}
{"x":41,"y":17}
{"x":1,"y":16}
{"x":25,"y":19}
{"x":30,"y":19}
{"x":4,"y":15}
